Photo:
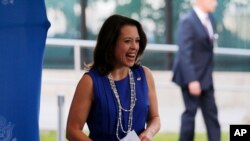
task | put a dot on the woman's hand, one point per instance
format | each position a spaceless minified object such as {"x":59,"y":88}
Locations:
{"x":146,"y":136}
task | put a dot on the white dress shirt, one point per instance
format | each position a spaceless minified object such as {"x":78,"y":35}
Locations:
{"x":204,"y":20}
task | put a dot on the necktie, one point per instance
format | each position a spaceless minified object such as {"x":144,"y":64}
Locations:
{"x":208,"y":27}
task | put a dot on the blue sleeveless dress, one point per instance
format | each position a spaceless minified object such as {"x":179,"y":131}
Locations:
{"x":103,"y":115}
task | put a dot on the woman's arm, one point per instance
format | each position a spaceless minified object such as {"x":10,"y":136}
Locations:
{"x":79,"y":110}
{"x":153,"y":124}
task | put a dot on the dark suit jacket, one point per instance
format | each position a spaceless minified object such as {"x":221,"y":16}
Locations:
{"x":194,"y":59}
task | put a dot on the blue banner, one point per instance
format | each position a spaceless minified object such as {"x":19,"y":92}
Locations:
{"x":23,"y":31}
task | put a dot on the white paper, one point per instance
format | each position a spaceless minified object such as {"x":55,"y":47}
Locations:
{"x":131,"y":136}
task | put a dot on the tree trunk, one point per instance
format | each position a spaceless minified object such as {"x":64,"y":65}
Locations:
{"x":86,"y":54}
{"x":83,"y":19}
{"x":168,"y":31}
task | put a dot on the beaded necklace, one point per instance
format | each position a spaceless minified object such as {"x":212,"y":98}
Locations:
{"x":120,"y":108}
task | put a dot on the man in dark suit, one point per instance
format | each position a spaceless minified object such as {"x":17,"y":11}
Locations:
{"x":193,"y":68}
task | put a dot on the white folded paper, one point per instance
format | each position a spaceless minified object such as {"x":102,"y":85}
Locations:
{"x":131,"y":136}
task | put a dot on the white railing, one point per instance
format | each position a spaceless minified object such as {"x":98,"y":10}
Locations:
{"x":78,"y":44}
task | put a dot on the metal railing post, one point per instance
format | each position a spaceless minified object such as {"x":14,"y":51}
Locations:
{"x":77,"y":58}
{"x":60,"y":132}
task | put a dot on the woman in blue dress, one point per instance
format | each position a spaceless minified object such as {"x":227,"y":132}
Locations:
{"x":116,"y":98}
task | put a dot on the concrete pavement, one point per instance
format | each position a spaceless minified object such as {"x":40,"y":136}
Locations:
{"x":232,"y":91}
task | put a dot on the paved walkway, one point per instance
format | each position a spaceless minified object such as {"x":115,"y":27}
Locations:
{"x":232,"y":96}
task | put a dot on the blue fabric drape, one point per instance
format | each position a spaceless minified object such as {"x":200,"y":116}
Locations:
{"x":23,"y":31}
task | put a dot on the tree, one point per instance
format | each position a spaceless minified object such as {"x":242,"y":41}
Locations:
{"x":84,"y":32}
{"x":168,"y":30}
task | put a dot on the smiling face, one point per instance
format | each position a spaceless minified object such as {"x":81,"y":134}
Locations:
{"x":127,"y":46}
